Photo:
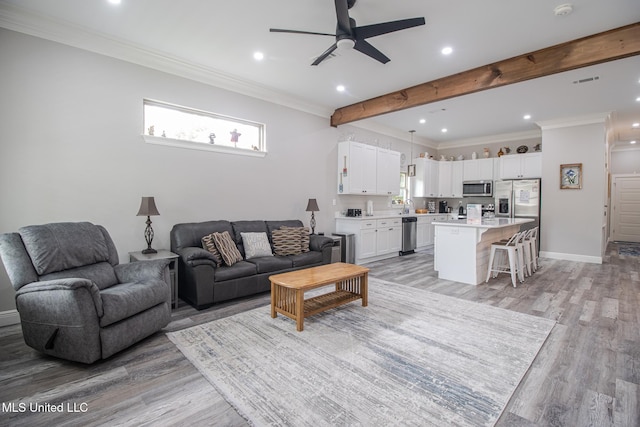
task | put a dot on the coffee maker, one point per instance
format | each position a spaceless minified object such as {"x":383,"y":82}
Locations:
{"x":442,"y":206}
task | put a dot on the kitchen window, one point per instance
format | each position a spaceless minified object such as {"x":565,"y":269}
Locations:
{"x":404,"y":191}
{"x":185,"y":127}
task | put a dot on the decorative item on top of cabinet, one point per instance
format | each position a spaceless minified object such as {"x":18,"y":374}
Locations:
{"x":486,"y":153}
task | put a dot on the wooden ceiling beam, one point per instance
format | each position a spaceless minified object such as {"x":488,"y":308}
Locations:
{"x":608,"y":46}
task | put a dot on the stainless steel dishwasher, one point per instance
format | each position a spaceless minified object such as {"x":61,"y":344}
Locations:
{"x":409,"y":225}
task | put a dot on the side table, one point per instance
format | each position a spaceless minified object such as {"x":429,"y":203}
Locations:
{"x":173,"y":268}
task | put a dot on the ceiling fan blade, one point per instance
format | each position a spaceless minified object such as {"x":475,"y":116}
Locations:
{"x":342,"y":13}
{"x":325,"y":54}
{"x":366,"y":48}
{"x":279,"y":30}
{"x":367,"y":31}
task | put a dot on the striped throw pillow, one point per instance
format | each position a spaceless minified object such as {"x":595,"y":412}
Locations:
{"x":227,"y":248}
{"x":210,"y":246}
{"x":303,"y":232}
{"x":286,"y":241}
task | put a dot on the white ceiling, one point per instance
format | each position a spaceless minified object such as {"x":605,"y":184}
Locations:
{"x":214,"y":41}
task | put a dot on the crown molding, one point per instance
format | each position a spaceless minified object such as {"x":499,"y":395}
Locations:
{"x":394,"y":133}
{"x":588,"y":119}
{"x":491,"y":139}
{"x":45,"y":27}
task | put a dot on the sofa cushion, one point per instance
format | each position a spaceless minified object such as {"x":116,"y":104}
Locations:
{"x":236,"y":271}
{"x":286,"y":241}
{"x":227,"y":248}
{"x":307,"y":258}
{"x":304,"y":237}
{"x":269,"y":264}
{"x":61,"y":246}
{"x":210,"y":245}
{"x":256,"y":245}
{"x":127,"y":299}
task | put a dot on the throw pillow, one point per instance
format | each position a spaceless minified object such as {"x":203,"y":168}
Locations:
{"x":227,"y":248}
{"x":304,"y":236}
{"x":286,"y":241}
{"x":256,"y":245}
{"x":210,"y":246}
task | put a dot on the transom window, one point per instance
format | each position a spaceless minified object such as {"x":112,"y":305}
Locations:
{"x":202,"y":129}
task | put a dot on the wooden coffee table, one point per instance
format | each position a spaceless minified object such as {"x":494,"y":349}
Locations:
{"x":287,"y":290}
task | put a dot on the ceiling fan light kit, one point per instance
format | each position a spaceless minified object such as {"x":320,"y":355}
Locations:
{"x":349,"y":36}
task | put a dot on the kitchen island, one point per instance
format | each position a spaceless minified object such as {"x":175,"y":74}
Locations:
{"x":462,"y":247}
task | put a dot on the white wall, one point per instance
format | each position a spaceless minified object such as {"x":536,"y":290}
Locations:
{"x":572,"y":220}
{"x":625,"y":162}
{"x":71,"y":150}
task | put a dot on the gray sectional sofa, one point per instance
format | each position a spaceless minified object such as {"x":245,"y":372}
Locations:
{"x":202,"y":283}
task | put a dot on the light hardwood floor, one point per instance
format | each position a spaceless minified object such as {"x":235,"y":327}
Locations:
{"x":587,"y":373}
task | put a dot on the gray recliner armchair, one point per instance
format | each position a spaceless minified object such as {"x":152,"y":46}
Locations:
{"x":75,"y":301}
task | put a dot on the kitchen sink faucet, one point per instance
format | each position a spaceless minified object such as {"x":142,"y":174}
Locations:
{"x":405,"y":209}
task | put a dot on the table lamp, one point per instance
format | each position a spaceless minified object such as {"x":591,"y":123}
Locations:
{"x":312,"y":206}
{"x":148,"y":209}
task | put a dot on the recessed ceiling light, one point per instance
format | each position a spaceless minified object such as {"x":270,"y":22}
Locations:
{"x":444,"y":130}
{"x":340,"y":88}
{"x":563,"y":9}
{"x":447,"y":50}
{"x":632,"y":142}
{"x":526,"y":116}
{"x":635,"y":125}
{"x":423,"y":121}
{"x":638,"y":99}
{"x":115,"y":1}
{"x":258,"y":56}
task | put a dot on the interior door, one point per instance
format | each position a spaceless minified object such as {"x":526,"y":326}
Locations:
{"x":625,"y":215}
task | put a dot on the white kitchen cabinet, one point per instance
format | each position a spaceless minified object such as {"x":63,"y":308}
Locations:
{"x":389,"y":236}
{"x":496,"y":168}
{"x":444,"y":179}
{"x":374,"y":239}
{"x":478,"y":170}
{"x":366,"y":245}
{"x":367,"y":170}
{"x":516,"y":166}
{"x":450,"y":179}
{"x":387,"y":172}
{"x":425,"y":183}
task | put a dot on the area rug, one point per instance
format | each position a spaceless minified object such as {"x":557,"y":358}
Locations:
{"x":410,"y":358}
{"x":629,"y":249}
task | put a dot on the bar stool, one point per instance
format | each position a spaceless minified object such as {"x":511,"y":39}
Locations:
{"x":513,"y":249}
{"x":532,"y":240}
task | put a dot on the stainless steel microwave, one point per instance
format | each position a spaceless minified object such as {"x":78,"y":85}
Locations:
{"x":477,"y":189}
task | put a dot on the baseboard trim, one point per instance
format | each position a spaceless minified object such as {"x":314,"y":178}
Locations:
{"x":8,"y":318}
{"x":571,"y":257}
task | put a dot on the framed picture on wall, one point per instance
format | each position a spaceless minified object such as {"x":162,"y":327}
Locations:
{"x":571,"y":176}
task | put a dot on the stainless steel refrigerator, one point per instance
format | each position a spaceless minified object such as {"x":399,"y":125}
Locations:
{"x":519,"y":198}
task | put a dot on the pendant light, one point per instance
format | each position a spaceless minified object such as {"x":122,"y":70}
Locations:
{"x":411,"y":169}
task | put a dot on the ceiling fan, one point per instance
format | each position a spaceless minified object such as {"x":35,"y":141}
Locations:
{"x":349,"y":35}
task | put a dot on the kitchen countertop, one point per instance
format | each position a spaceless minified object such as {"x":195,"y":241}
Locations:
{"x":484,"y":222}
{"x":387,"y":216}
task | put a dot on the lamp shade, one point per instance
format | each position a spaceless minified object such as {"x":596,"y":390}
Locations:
{"x":312,"y":206}
{"x":148,"y":207}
